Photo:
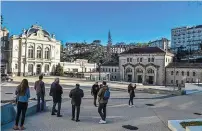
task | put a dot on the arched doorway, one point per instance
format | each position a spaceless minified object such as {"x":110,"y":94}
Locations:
{"x":46,"y":69}
{"x":38,"y":69}
{"x":150,"y":76}
{"x":30,"y":69}
{"x":139,"y":73}
{"x":129,"y":75}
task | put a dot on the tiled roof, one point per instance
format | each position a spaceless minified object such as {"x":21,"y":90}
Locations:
{"x":184,"y":65}
{"x":144,"y":50}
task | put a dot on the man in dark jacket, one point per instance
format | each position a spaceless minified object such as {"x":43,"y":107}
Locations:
{"x":102,"y":103}
{"x":56,"y":92}
{"x":76,"y":94}
{"x":94,"y":91}
{"x":39,"y":86}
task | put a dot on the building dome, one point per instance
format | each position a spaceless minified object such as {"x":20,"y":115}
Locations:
{"x":34,"y":29}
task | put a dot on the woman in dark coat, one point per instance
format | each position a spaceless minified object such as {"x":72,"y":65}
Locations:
{"x":131,"y":94}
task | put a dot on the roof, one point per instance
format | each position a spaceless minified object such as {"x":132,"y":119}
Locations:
{"x":110,"y":64}
{"x":184,"y":65}
{"x":35,"y":29}
{"x":198,"y":26}
{"x":144,"y":50}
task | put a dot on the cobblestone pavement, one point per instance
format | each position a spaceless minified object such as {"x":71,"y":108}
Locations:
{"x":146,"y":118}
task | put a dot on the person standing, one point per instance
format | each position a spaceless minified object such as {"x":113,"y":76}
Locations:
{"x":94,"y":91}
{"x":56,"y":92}
{"x":23,"y":95}
{"x":76,"y":94}
{"x":39,"y":86}
{"x":131,"y":94}
{"x":103,"y":95}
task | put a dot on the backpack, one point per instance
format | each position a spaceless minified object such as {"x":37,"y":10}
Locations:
{"x":106,"y":95}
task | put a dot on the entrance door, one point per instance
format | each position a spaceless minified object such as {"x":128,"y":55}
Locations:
{"x":129,"y":78}
{"x":151,"y":79}
{"x":139,"y":79}
{"x":38,"y":69}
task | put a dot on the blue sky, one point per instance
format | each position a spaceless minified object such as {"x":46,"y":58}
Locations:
{"x":79,"y":21}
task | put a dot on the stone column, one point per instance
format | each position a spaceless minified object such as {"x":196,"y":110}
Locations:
{"x":34,"y":69}
{"x":43,"y":51}
{"x":155,"y":77}
{"x":35,"y":50}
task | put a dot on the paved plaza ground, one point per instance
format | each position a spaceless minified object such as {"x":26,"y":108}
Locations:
{"x":146,"y":118}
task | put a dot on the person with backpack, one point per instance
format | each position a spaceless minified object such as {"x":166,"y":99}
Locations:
{"x":39,"y":86}
{"x":131,"y":94}
{"x":56,"y":92}
{"x":22,"y":95}
{"x":104,"y":95}
{"x":94,"y":91}
{"x":76,"y":94}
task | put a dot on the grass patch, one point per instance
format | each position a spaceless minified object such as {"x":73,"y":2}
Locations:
{"x":191,"y":123}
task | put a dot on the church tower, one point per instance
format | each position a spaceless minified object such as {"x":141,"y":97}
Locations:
{"x":109,"y":46}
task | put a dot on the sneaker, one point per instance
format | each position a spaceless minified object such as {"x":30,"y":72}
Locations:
{"x":53,"y":114}
{"x":102,"y":122}
{"x":73,"y":119}
{"x":59,"y":115}
{"x":22,"y":128}
{"x":77,"y":120}
{"x":15,"y":128}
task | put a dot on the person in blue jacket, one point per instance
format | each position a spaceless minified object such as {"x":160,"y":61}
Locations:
{"x":23,"y":95}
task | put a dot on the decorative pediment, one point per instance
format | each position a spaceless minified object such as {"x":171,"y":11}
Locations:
{"x":139,"y":64}
{"x":128,"y":64}
{"x":151,"y":64}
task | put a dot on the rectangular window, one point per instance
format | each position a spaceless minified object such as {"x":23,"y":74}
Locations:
{"x":137,"y":59}
{"x":172,"y":81}
{"x":16,"y":66}
{"x":130,"y":59}
{"x":182,"y":82}
{"x":112,"y":70}
{"x":109,"y":69}
{"x":127,"y":59}
{"x":115,"y":70}
{"x":115,"y":77}
{"x":176,"y":81}
{"x":140,"y":59}
{"x":148,"y":59}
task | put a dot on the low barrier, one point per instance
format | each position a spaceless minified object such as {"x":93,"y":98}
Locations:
{"x":8,"y":111}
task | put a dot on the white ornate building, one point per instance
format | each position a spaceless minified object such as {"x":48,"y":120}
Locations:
{"x":144,"y":65}
{"x":33,"y":52}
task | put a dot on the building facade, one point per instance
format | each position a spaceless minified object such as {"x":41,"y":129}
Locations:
{"x":188,"y":37}
{"x":181,"y":73}
{"x":4,"y":34}
{"x":112,"y":69}
{"x":80,"y":65}
{"x":144,"y":65}
{"x":162,"y":43}
{"x":34,"y":52}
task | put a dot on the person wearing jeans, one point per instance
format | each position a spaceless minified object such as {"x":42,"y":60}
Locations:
{"x":102,"y":103}
{"x":23,"y":95}
{"x":39,"y":86}
{"x":131,"y":94}
{"x":94,"y":91}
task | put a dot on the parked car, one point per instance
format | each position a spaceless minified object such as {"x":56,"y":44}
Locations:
{"x":6,"y":77}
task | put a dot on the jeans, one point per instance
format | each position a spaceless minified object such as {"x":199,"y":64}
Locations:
{"x":77,"y":112}
{"x":130,"y":100}
{"x":95,"y":99}
{"x":21,"y":107}
{"x":40,"y":106}
{"x":102,"y":106}
{"x":59,"y":107}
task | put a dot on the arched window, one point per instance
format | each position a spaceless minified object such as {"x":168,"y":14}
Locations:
{"x":182,"y":73}
{"x":30,"y":52}
{"x":39,"y":52}
{"x":194,"y":73}
{"x":171,"y":72}
{"x":139,"y":70}
{"x":128,"y":70}
{"x":150,"y":71}
{"x":177,"y":73}
{"x":187,"y":73}
{"x":47,"y":53}
{"x":46,"y":68}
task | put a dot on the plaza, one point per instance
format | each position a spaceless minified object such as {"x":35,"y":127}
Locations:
{"x":145,"y":118}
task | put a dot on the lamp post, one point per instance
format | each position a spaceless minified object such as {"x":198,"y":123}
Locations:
{"x":99,"y":65}
{"x":25,"y":61}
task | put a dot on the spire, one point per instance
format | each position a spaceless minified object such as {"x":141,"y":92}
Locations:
{"x":109,"y":38}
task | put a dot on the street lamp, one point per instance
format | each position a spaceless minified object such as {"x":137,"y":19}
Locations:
{"x":24,"y":61}
{"x":99,"y":65}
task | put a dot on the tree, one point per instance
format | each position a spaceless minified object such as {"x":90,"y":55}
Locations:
{"x":59,"y":70}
